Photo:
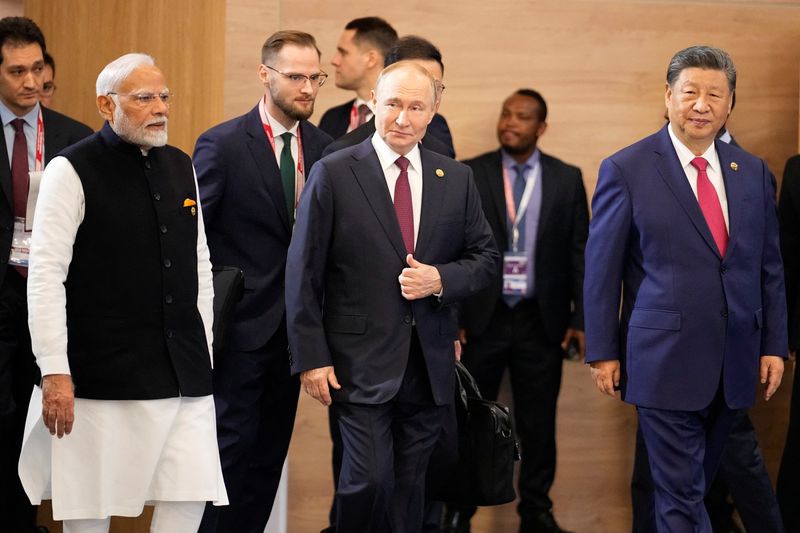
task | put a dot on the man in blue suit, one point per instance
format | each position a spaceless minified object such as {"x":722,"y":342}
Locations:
{"x":389,"y":236}
{"x":685,"y":235}
{"x":250,"y":171}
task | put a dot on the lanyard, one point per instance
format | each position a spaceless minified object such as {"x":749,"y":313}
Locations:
{"x":523,"y":203}
{"x":39,"y":160}
{"x":300,"y":181}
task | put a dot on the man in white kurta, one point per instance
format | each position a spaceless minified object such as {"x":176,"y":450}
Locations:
{"x":120,"y":312}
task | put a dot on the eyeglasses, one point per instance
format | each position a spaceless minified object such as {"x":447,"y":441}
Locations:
{"x":146,"y":99}
{"x":300,"y":79}
{"x":48,"y":88}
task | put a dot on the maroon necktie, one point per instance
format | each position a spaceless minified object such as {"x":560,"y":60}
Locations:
{"x":402,"y":204}
{"x":363,"y":111}
{"x":19,"y":176}
{"x":710,"y":206}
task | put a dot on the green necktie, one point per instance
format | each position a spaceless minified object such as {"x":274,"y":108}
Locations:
{"x":287,"y":174}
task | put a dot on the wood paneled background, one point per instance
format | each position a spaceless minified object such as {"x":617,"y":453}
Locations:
{"x":600,"y":64}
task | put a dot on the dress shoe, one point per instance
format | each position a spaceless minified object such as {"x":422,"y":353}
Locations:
{"x":541,"y":522}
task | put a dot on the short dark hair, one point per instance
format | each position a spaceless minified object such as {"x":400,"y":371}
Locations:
{"x":536,"y":95}
{"x":374,"y":31}
{"x":275,"y":43}
{"x":704,"y":57}
{"x":20,"y":31}
{"x":413,"y":47}
{"x":49,"y":61}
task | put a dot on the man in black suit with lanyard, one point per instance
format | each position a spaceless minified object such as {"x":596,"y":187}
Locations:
{"x":536,"y":206}
{"x":32,"y":136}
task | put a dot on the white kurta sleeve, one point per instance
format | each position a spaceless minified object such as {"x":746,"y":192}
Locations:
{"x":59,"y":213}
{"x":205,"y":289}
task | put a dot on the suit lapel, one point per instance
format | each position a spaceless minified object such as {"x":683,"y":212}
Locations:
{"x":433,"y":193}
{"x":669,"y":167}
{"x":55,"y":140}
{"x":735,"y":194}
{"x":549,"y":193}
{"x":266,"y":163}
{"x":5,"y":171}
{"x":494,"y":174}
{"x":369,"y":175}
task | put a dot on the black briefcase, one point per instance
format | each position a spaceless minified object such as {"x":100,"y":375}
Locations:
{"x":228,"y":290}
{"x":487,"y":450}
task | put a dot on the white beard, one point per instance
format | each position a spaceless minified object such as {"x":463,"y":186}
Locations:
{"x":139,"y":136}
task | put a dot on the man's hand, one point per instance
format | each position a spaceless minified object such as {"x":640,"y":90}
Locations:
{"x":606,"y":375}
{"x":58,"y":404}
{"x":315,"y":382}
{"x":458,"y":350}
{"x":578,"y":335}
{"x":771,"y":374}
{"x":419,"y":280}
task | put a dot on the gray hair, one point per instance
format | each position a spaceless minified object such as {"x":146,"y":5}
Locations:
{"x":704,"y":57}
{"x":118,"y":70}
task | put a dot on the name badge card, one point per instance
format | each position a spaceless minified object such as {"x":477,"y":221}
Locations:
{"x":515,"y":274}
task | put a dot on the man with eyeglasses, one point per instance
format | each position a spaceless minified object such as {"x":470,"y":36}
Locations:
{"x":120,"y":301}
{"x":358,"y":60}
{"x":32,"y":135}
{"x":48,"y":80}
{"x":251,"y":171}
{"x":424,"y":53}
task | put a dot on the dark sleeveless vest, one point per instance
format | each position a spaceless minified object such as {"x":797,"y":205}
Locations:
{"x":134,"y":331}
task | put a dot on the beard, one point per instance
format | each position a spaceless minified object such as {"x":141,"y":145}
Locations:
{"x":288,"y":107}
{"x":139,"y":135}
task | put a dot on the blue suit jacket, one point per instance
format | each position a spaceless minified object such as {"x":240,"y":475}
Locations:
{"x":247,"y":223}
{"x":689,"y":317}
{"x":343,"y":301}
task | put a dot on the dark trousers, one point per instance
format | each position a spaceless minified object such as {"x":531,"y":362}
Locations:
{"x":386,"y":448}
{"x":788,"y":486}
{"x":516,"y":339}
{"x":684,"y":449}
{"x":18,"y":374}
{"x":741,"y":473}
{"x":256,"y":401}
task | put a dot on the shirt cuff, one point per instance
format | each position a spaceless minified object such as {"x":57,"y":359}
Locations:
{"x":53,"y":365}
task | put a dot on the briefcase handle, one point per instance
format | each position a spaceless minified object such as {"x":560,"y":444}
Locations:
{"x":467,"y":386}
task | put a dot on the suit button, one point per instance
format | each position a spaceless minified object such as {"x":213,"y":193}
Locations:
{"x":723,"y":269}
{"x":170,"y":334}
{"x":724,"y":313}
{"x":163,"y":228}
{"x":157,"y":196}
{"x":146,"y":163}
{"x":407,"y":319}
{"x":167,"y":263}
{"x":168,"y":298}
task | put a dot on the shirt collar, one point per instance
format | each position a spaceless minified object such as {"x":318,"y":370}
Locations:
{"x":685,"y":155}
{"x":278,"y":129}
{"x":30,"y":118}
{"x":387,"y":156}
{"x":509,"y":162}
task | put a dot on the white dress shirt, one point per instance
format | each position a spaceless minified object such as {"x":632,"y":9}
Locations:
{"x":714,"y":171}
{"x":391,"y":172}
{"x":277,"y":130}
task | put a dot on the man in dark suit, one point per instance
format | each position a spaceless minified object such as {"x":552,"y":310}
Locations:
{"x":250,"y":171}
{"x":527,"y":329}
{"x":25,"y":122}
{"x":788,"y":486}
{"x":358,"y":60}
{"x":369,"y":299}
{"x":685,"y":235}
{"x":437,"y":136}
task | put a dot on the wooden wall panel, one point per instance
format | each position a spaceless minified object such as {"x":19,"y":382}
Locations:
{"x":186,"y":38}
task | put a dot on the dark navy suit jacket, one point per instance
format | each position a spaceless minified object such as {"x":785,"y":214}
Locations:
{"x":343,"y":301}
{"x":247,"y":223}
{"x":689,"y":317}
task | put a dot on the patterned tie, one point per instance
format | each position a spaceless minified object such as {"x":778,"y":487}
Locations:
{"x":288,"y":174}
{"x":519,"y":191}
{"x":402,"y":204}
{"x":19,"y":176}
{"x":709,"y":204}
{"x":363,"y":111}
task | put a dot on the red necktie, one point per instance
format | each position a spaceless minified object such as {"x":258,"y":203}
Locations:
{"x":363,"y":111}
{"x":19,"y":176}
{"x":710,"y":206}
{"x":402,"y":204}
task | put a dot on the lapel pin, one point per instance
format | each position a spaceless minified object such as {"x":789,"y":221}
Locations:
{"x":194,"y":211}
{"x":440,"y":172}
{"x":734,"y":166}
